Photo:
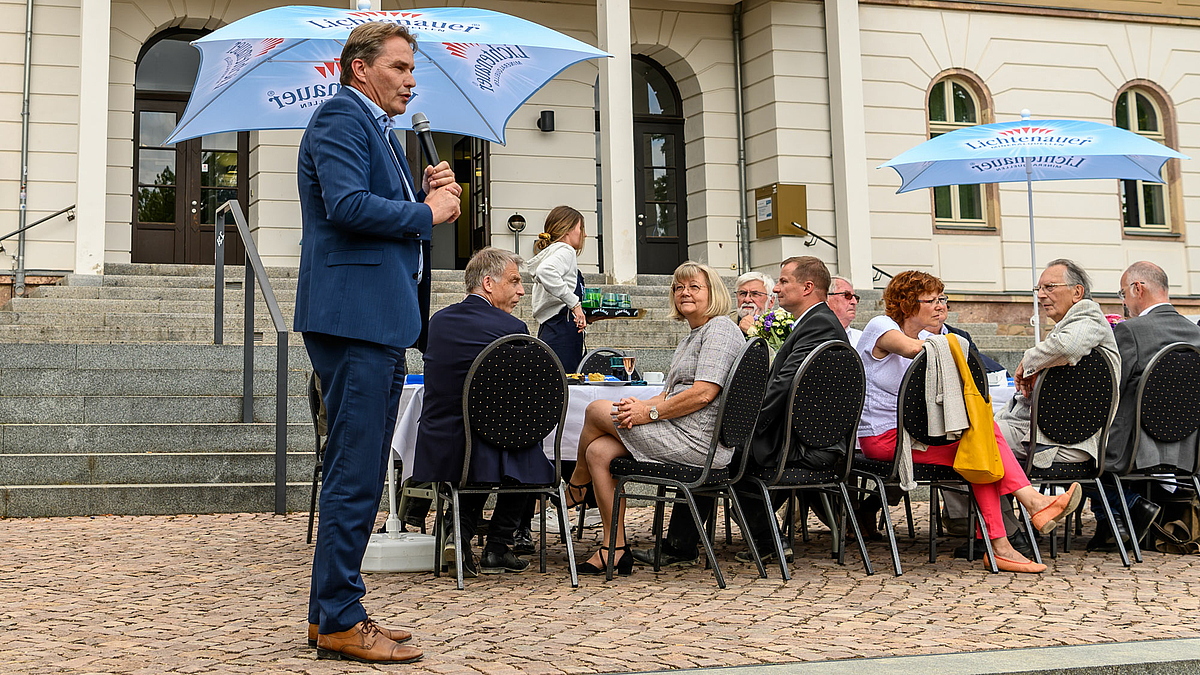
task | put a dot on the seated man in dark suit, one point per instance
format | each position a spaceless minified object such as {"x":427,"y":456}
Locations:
{"x":802,"y":289}
{"x":458,"y":334}
{"x":1155,"y":324}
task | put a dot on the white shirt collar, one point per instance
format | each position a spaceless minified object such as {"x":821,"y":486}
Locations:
{"x":381,"y":118}
{"x":805,"y":313}
{"x":1147,"y":310}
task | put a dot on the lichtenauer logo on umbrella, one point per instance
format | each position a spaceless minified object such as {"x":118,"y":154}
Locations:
{"x":1014,"y":163}
{"x":1028,"y":136}
{"x":241,"y":53}
{"x":490,"y":61}
{"x":413,"y":20}
{"x":314,"y":94}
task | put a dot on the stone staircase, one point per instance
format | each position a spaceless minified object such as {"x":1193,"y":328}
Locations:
{"x":113,"y":398}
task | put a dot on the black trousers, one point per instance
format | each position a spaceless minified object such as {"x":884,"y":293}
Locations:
{"x":506,"y":517}
{"x":683,"y":534}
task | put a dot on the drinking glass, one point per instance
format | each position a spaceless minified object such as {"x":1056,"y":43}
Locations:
{"x":628,"y":363}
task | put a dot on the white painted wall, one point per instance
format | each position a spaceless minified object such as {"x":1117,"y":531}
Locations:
{"x":53,"y":136}
{"x":1058,"y":68}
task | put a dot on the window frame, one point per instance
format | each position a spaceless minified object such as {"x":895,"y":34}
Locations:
{"x":1166,"y":134}
{"x":989,"y":224}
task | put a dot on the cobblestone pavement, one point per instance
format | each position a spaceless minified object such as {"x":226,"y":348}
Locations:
{"x":227,"y":594}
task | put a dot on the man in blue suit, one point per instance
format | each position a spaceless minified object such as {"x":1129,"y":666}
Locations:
{"x":463,"y":330}
{"x":357,"y":305}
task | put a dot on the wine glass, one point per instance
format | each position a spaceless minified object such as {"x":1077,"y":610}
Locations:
{"x":628,"y":362}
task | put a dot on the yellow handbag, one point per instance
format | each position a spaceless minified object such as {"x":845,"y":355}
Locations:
{"x":978,"y":456}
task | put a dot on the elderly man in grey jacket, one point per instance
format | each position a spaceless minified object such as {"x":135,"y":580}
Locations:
{"x":1064,"y":292}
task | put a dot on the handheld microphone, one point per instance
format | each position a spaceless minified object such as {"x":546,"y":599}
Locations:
{"x":420,"y":124}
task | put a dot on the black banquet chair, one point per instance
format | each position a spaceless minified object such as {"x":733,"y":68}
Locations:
{"x":515,"y":394}
{"x":824,"y":407}
{"x":737,"y":414}
{"x":1168,"y":411}
{"x":600,"y":361}
{"x":912,"y":414}
{"x":1071,"y":404}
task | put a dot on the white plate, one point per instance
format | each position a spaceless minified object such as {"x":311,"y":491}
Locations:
{"x":609,"y":383}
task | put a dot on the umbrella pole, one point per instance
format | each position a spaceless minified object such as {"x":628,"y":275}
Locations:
{"x":1037,"y":321}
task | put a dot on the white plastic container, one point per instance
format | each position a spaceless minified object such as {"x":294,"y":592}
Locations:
{"x":408,"y":552}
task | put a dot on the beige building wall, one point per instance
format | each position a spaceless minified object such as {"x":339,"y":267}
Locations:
{"x":1057,"y":68}
{"x":53,"y":114}
{"x":786,"y":101}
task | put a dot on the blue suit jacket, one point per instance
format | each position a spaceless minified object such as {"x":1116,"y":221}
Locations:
{"x":461,"y":331}
{"x":362,"y":236}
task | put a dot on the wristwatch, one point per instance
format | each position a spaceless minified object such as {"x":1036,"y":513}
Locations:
{"x":653,"y":413}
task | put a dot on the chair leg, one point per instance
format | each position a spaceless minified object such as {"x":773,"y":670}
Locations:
{"x":582,"y":514}
{"x":912,"y":532}
{"x":862,"y":545}
{"x":438,"y":535}
{"x":1112,"y":523}
{"x":887,"y":524}
{"x":312,"y":502}
{"x":833,"y":525}
{"x":934,"y":530}
{"x":618,"y":494}
{"x":766,"y":495}
{"x":564,"y":525}
{"x":708,"y":547}
{"x":542,"y":519}
{"x":741,"y":521}
{"x":710,"y":528}
{"x":1137,"y":548}
{"x":977,"y":513}
{"x":728,"y":525}
{"x":1029,"y":532}
{"x":660,"y":506}
{"x":459,"y":550}
{"x":794,"y":506}
{"x":840,"y":536}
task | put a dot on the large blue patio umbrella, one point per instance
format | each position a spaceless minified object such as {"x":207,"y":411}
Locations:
{"x":474,"y":68}
{"x":1029,"y":150}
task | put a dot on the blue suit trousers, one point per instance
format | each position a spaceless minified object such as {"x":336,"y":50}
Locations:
{"x":361,"y":383}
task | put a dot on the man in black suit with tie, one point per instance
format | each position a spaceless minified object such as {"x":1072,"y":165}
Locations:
{"x":802,"y":289}
{"x":1154,"y":325}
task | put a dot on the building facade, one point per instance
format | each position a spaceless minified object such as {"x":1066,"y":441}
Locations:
{"x":827,"y":91}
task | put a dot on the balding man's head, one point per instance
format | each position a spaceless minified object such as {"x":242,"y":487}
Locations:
{"x":1143,"y":285}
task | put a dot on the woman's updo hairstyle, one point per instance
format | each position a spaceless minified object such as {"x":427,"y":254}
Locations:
{"x":902,"y":293}
{"x":560,"y":221}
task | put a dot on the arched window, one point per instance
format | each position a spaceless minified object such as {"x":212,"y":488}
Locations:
{"x":1145,"y":207}
{"x":956,"y":102}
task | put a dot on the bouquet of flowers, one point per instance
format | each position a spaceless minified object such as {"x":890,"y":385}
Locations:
{"x":773,"y":326}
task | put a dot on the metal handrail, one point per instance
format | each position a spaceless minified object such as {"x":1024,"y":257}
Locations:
{"x":255,"y":269}
{"x":812,"y":241}
{"x":70,"y":216}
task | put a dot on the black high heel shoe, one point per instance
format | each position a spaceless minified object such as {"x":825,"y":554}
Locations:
{"x":623,"y":567}
{"x":584,"y":490}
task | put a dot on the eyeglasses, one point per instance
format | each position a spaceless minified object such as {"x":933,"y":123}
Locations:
{"x":1047,"y":287}
{"x":939,"y":300}
{"x":692,"y":288}
{"x":757,"y":295}
{"x":1121,"y":293}
{"x":848,"y":295}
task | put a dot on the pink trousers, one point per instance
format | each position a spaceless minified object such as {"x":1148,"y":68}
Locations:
{"x":883,"y":448}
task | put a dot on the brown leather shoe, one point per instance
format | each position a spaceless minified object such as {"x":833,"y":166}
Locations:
{"x":394,"y":634}
{"x":366,"y":644}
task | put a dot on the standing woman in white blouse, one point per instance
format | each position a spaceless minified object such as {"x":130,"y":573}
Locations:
{"x":558,"y":285}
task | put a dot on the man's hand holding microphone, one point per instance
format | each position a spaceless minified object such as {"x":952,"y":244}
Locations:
{"x":442,"y":192}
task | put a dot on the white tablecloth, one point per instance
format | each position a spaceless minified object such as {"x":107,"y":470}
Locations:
{"x":1001,"y":395}
{"x":404,"y":441}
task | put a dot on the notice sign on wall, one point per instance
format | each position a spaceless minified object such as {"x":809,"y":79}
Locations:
{"x":763,"y":209}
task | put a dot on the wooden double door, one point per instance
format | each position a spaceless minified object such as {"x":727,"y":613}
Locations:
{"x":177,"y":188}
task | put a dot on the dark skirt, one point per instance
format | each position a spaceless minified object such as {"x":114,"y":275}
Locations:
{"x":564,"y":338}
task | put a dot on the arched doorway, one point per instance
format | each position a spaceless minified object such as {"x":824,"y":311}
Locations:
{"x":177,"y":188}
{"x":659,"y":189}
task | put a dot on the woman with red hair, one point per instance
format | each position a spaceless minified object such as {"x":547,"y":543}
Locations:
{"x":914,"y":302}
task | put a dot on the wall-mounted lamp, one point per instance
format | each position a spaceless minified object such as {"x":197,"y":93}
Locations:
{"x":546,"y":120}
{"x":516,"y":223}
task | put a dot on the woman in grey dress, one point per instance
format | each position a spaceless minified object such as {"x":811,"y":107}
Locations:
{"x":674,"y":427}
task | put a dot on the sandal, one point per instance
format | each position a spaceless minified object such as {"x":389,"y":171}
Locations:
{"x":623,"y":567}
{"x":571,"y":501}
